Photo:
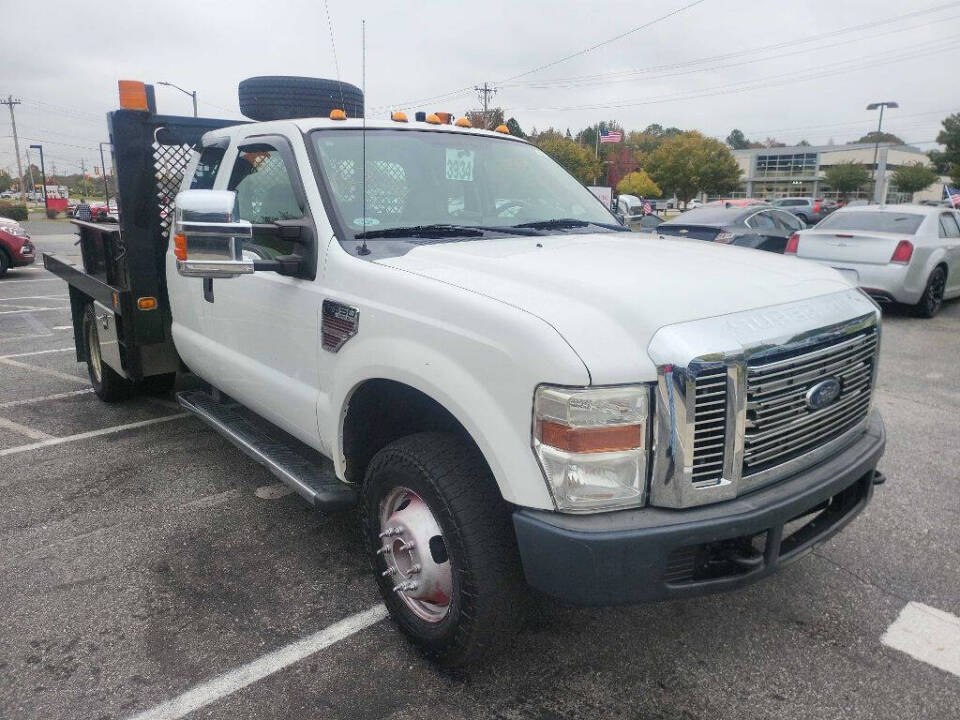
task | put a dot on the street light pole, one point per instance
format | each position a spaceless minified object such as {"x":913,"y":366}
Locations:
{"x":191,"y":93}
{"x":876,"y":145}
{"x":43,"y":176}
{"x":103,"y":169}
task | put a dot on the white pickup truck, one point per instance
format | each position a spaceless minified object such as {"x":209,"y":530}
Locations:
{"x":439,"y":324}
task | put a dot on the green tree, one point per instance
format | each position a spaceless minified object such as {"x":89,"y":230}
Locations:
{"x":690,"y":163}
{"x":514,"y":127}
{"x":737,"y":140}
{"x":5,"y":181}
{"x":947,"y":161}
{"x":913,"y":177}
{"x":846,"y":177}
{"x":875,"y":137}
{"x":576,"y":160}
{"x":640,"y":184}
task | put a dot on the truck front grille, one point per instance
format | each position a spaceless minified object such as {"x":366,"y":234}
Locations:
{"x":780,"y":423}
{"x":710,"y":425}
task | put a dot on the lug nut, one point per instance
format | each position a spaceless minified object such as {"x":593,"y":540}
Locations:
{"x":384,"y":549}
{"x":415,"y":568}
{"x":388,"y":571}
{"x":408,"y":585}
{"x":408,"y":545}
{"x":390,"y":531}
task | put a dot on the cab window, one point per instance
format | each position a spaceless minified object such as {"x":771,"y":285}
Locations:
{"x":207,"y":167}
{"x":788,"y":221}
{"x":265,"y":194}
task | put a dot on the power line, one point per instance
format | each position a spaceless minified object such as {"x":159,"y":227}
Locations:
{"x":788,"y":43}
{"x":656,"y":73}
{"x":595,"y":46}
{"x":747,"y":85}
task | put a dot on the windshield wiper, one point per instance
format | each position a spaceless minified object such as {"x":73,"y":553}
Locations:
{"x":443,"y":230}
{"x":562,"y":223}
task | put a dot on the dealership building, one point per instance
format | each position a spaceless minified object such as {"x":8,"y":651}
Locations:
{"x":777,"y":172}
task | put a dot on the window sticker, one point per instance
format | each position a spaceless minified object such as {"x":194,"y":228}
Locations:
{"x":366,"y":221}
{"x":459,"y":164}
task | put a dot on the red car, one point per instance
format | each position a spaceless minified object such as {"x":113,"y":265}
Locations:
{"x":16,"y":249}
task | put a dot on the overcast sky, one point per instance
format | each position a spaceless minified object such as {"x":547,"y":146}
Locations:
{"x":710,"y":67}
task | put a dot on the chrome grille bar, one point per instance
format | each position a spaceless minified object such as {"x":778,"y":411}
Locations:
{"x":780,"y":423}
{"x":710,"y":425}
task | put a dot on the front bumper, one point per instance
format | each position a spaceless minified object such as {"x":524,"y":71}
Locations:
{"x":26,"y":255}
{"x":654,"y":553}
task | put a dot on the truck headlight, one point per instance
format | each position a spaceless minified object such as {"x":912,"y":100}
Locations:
{"x":592,"y":445}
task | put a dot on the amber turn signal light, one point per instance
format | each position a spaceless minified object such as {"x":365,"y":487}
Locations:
{"x":180,"y":246}
{"x":590,"y":439}
{"x":133,"y":95}
{"x":147,"y":303}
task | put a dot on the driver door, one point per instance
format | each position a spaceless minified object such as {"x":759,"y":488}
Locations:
{"x":264,"y":328}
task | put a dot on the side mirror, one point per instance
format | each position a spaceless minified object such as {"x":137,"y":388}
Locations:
{"x":208,"y":240}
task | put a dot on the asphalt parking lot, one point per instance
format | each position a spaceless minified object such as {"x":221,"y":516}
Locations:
{"x":142,"y":557}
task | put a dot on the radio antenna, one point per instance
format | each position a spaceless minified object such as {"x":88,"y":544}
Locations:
{"x":363,"y":249}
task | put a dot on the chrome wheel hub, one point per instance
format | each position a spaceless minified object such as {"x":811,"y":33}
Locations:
{"x":415,"y":554}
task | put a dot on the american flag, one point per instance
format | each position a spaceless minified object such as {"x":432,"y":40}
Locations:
{"x":647,"y":210}
{"x":611,"y":136}
{"x":953,"y":194}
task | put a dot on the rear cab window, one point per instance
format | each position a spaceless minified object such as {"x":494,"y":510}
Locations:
{"x":207,"y":167}
{"x":873,"y":221}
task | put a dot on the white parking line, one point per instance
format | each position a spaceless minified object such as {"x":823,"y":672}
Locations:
{"x":15,"y":312}
{"x":87,"y":435}
{"x":35,"y":352}
{"x":927,"y":634}
{"x":43,"y":370}
{"x":239,"y":678}
{"x":44,"y":398}
{"x":23,"y":430}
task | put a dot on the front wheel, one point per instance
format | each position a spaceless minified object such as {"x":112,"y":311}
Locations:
{"x":932,"y":299}
{"x":442,"y":544}
{"x":109,"y":385}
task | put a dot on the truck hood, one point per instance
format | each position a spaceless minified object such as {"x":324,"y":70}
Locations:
{"x":607,"y":294}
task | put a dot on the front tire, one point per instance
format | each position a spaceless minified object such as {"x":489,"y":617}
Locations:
{"x":4,"y":263}
{"x":441,"y":541}
{"x":932,"y":299}
{"x":108,"y":385}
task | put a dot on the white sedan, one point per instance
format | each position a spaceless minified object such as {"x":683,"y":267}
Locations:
{"x":907,"y":254}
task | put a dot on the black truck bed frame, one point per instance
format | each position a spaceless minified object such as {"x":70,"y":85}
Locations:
{"x":123,"y":262}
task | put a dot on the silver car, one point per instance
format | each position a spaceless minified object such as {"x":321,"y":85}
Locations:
{"x":907,"y":254}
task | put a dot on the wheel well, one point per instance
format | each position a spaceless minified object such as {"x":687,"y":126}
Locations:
{"x":8,"y":255}
{"x":381,"y":411}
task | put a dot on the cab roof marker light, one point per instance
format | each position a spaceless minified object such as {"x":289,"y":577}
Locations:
{"x":338,"y":114}
{"x":398,"y":116}
{"x":502,"y":129}
{"x":433,"y":119}
{"x":463,"y":122}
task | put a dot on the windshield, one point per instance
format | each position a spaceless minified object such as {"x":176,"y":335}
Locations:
{"x":872,"y":221}
{"x":420,"y":179}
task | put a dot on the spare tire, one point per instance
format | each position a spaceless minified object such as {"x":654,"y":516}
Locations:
{"x":280,"y":97}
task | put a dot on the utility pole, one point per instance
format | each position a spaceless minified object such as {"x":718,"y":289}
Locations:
{"x":485,"y":92}
{"x":103,"y":169}
{"x":10,"y":102}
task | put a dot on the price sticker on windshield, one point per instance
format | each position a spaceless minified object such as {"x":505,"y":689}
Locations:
{"x":459,"y":164}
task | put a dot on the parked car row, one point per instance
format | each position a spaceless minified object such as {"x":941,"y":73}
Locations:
{"x":905,"y":254}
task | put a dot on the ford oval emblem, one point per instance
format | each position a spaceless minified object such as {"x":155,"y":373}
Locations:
{"x":823,"y":393}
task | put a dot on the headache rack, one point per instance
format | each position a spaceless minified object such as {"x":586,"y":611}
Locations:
{"x":123,"y":263}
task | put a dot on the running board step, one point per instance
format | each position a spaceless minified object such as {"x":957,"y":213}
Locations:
{"x":301,"y":467}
